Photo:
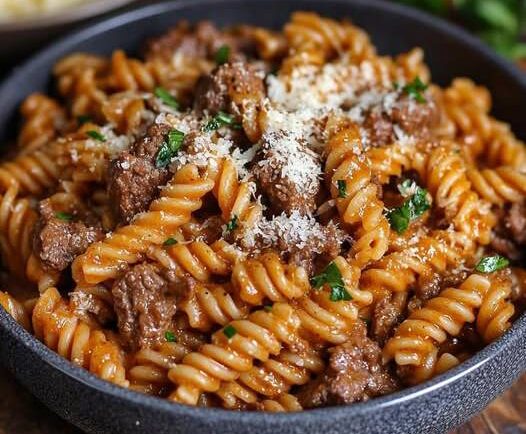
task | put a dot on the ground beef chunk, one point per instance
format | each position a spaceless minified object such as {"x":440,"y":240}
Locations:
{"x":143,"y":307}
{"x":354,"y":373}
{"x":415,"y":119}
{"x":324,"y":249}
{"x":516,"y":221}
{"x":283,"y":193}
{"x":200,"y":41}
{"x":229,"y":88}
{"x":134,"y":180}
{"x":379,"y":128}
{"x":58,"y":241}
{"x":510,"y":235}
{"x":387,"y":314}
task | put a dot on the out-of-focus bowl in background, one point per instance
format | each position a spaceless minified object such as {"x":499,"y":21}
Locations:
{"x":21,"y":36}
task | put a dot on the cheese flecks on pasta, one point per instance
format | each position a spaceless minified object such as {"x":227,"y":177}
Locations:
{"x":241,"y":209}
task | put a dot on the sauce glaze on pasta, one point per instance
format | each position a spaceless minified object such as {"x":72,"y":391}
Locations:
{"x":263,"y":220}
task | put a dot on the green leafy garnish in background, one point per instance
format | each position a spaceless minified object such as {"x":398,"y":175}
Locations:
{"x":500,"y":23}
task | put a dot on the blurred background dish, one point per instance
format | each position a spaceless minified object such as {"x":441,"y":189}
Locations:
{"x":26,"y":25}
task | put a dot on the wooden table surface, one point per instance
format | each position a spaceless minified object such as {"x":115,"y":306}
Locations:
{"x":20,"y":413}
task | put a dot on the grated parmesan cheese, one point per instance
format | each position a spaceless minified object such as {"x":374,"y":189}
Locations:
{"x":297,"y":230}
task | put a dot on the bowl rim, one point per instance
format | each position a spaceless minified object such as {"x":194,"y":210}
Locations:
{"x":70,"y":14}
{"x":476,"y":362}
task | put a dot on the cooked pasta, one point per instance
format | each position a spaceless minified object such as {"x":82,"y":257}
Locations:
{"x":264,"y":220}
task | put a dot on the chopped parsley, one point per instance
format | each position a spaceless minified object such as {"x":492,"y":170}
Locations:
{"x":229,"y":331}
{"x":65,"y":216}
{"x":82,"y":119}
{"x":166,"y":97}
{"x":96,"y":135}
{"x":169,"y":242}
{"x":232,"y":224}
{"x":415,"y":90}
{"x":170,"y":336}
{"x":219,"y":120}
{"x":169,"y":148}
{"x":489,"y":264}
{"x":413,"y":207}
{"x":342,"y":188}
{"x":222,"y":54}
{"x":267,"y":307}
{"x":332,"y":277}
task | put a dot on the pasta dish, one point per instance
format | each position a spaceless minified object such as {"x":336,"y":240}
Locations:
{"x":263,"y":220}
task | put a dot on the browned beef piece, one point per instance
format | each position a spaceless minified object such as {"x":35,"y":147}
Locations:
{"x":510,"y":234}
{"x":326,"y":248}
{"x":58,"y":241}
{"x":414,"y":118}
{"x":228,"y":88}
{"x":283,"y":193}
{"x":379,"y":128}
{"x":387,"y":314}
{"x":134,"y":179}
{"x":354,"y":373}
{"x":516,"y":221}
{"x":201,"y":41}
{"x":143,"y":306}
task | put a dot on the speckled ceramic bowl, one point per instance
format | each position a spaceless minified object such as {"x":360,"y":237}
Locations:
{"x":433,"y":407}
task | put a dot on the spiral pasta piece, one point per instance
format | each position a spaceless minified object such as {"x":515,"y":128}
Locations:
{"x":398,"y":271}
{"x":56,"y":325}
{"x":263,"y":333}
{"x":32,"y":173}
{"x":43,"y":117}
{"x":418,"y":336}
{"x":127,"y":245}
{"x":331,"y":321}
{"x":197,"y":258}
{"x":307,"y":32}
{"x":272,"y":378}
{"x":14,"y":308}
{"x":361,"y":205}
{"x":17,"y":220}
{"x":468,"y":106}
{"x":209,"y":305}
{"x":80,"y":80}
{"x":499,"y":186}
{"x":285,"y":402}
{"x":493,"y":317}
{"x":267,"y":278}
{"x":234,"y":197}
{"x":149,"y":371}
{"x":444,"y":173}
{"x":129,"y":74}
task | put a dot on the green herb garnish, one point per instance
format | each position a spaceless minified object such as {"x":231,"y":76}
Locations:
{"x":229,"y":331}
{"x":414,"y":207}
{"x":96,"y":135}
{"x":166,"y":97}
{"x":415,"y":90}
{"x":489,"y":264}
{"x":82,"y":119}
{"x":170,"y":336}
{"x":169,"y":242}
{"x":342,"y":188}
{"x":332,"y":277}
{"x":169,"y":148}
{"x":267,"y":307}
{"x":232,"y":224}
{"x":222,"y":54}
{"x":65,"y":216}
{"x":219,"y":120}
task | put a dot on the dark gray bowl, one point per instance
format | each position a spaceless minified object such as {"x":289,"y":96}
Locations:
{"x":436,"y":406}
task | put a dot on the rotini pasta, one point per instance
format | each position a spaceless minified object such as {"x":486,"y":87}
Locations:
{"x":261,"y":219}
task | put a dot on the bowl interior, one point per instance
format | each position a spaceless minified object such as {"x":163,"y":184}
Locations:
{"x":449,"y":52}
